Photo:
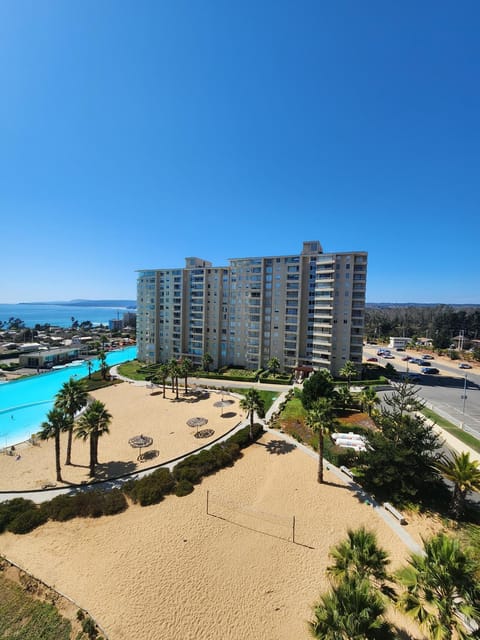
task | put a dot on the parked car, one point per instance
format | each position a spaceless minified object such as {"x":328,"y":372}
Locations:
{"x":388,"y":356}
{"x":430,"y":370}
{"x":406,"y":358}
{"x":372,"y":359}
{"x":427,"y":356}
{"x":464,"y":365}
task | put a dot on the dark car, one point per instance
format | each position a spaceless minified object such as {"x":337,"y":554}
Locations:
{"x":372,"y":359}
{"x":430,"y":370}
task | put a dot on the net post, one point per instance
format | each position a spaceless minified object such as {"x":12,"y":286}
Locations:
{"x":293,"y":529}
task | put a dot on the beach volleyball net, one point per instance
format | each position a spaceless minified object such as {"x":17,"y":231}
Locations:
{"x":250,"y":517}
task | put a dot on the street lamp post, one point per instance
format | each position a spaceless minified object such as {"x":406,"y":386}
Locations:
{"x":464,"y":397}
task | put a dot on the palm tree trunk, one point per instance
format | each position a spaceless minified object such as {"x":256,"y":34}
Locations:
{"x":251,"y":424}
{"x":176,"y":388}
{"x":57,"y":457}
{"x":164,"y":383}
{"x":92,"y":455}
{"x":320,"y":456}
{"x":68,"y":459}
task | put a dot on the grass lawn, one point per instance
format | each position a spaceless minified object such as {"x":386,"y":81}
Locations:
{"x":465,"y":437}
{"x":132,"y":370}
{"x":268,"y":397}
{"x":25,"y":618}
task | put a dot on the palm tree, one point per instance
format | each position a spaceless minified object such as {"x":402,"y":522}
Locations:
{"x":251,"y":403}
{"x":344,"y":396}
{"x":93,"y":424}
{"x":207,"y":360}
{"x":465,"y":475}
{"x":441,"y":588}
{"x":103,"y":364}
{"x":70,"y":399}
{"x":57,"y":421}
{"x":185,"y":369}
{"x":321,"y":419}
{"x":273,"y":365}
{"x":160,"y":376}
{"x":348,"y":371}
{"x":352,"y":610}
{"x":89,"y":364}
{"x":174,"y":370}
{"x":369,"y":399}
{"x":359,"y":555}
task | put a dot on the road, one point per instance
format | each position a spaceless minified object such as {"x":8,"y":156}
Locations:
{"x":453,"y":393}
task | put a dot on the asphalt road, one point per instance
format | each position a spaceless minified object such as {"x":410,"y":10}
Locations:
{"x":453,"y":393}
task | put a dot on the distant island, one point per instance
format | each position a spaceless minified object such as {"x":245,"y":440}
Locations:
{"x":129,"y":304}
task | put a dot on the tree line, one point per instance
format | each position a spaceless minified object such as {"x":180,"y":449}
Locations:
{"x":439,"y":323}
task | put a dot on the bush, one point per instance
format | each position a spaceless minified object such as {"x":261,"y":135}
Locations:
{"x":61,"y":508}
{"x":10,"y":509}
{"x":183,"y":488}
{"x":152,"y":489}
{"x":242,"y":437}
{"x":27,"y":521}
{"x":183,"y":471}
{"x":114,"y":502}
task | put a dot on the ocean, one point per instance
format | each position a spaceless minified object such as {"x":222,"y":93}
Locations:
{"x":59,"y":315}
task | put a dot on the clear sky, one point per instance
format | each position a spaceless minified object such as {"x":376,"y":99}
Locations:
{"x":136,"y":133}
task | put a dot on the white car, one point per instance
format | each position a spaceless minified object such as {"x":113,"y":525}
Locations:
{"x":464,"y":365}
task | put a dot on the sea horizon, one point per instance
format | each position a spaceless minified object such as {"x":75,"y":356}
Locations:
{"x":59,"y":315}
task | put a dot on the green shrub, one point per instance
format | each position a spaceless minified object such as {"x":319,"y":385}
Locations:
{"x":10,"y":509}
{"x":114,"y":502}
{"x":152,"y":489}
{"x":242,"y":437}
{"x":186,"y":472}
{"x":27,"y":521}
{"x":183,"y":488}
{"x":61,"y":508}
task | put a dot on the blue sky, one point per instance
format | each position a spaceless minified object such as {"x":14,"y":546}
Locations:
{"x":134,"y":134}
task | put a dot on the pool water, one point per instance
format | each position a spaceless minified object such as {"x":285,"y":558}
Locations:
{"x":24,"y":404}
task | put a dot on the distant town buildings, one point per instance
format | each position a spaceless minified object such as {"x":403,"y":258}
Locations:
{"x":304,"y":310}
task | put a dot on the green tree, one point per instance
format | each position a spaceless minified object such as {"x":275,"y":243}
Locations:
{"x":317,"y":385}
{"x":71,"y":398}
{"x":369,"y":400}
{"x":93,"y":424}
{"x":160,"y":376}
{"x":321,"y":420}
{"x":273,"y":365}
{"x":343,"y":396}
{"x":252,"y":403}
{"x":352,"y":610}
{"x":465,"y":475}
{"x":441,"y":588}
{"x":207,"y":360}
{"x":89,"y":364}
{"x":399,"y":464}
{"x":56,"y":422}
{"x":349,"y":371}
{"x":174,"y":371}
{"x":103,"y":364}
{"x":360,"y":556}
{"x":403,"y":400}
{"x":185,"y":370}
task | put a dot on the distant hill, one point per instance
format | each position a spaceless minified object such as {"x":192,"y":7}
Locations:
{"x":130,"y":304}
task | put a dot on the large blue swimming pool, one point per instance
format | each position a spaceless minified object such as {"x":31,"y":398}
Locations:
{"x":25,"y":403}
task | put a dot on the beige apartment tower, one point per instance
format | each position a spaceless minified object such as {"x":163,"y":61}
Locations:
{"x":305,"y":310}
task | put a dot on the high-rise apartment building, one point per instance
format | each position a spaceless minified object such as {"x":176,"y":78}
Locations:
{"x":305,"y":310}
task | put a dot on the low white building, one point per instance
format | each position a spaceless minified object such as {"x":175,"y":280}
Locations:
{"x":398,"y":343}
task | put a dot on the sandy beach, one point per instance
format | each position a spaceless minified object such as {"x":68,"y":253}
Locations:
{"x":171,"y":570}
{"x":135,"y":410}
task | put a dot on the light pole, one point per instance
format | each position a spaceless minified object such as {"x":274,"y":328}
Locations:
{"x":464,"y":397}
